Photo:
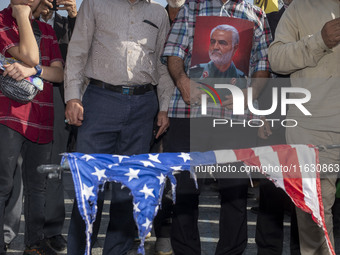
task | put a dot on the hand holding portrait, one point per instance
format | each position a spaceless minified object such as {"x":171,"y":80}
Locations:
{"x":190,"y":91}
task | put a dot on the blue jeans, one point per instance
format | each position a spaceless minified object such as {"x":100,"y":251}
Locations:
{"x":113,"y":124}
{"x":11,"y":145}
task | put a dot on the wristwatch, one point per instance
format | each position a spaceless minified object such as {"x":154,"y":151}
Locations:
{"x":39,"y":70}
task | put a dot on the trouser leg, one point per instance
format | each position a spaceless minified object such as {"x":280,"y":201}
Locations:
{"x":233,"y":216}
{"x":55,"y":207}
{"x":14,"y":206}
{"x":34,"y":155}
{"x":10,"y":146}
{"x":134,"y":138}
{"x":184,"y":231}
{"x":269,"y":226}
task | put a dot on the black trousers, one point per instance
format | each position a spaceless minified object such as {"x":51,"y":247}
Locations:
{"x":269,"y":227}
{"x":186,"y":135}
{"x":55,"y":207}
{"x":11,"y":145}
{"x":273,"y":204}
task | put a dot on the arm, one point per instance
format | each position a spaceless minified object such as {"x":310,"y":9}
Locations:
{"x":19,"y":71}
{"x":175,"y":52}
{"x":289,"y":52}
{"x":182,"y":81}
{"x":165,"y":86}
{"x":264,"y":131}
{"x":54,"y":72}
{"x":27,"y":51}
{"x":258,"y":82}
{"x":259,"y":65}
{"x":78,"y":49}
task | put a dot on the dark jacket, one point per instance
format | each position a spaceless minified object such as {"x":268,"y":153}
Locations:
{"x":63,"y":27}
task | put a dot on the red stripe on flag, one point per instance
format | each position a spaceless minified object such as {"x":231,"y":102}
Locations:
{"x":292,"y":178}
{"x":248,"y":156}
{"x":244,"y":154}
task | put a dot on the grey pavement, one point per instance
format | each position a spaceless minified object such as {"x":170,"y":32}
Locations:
{"x":208,"y":224}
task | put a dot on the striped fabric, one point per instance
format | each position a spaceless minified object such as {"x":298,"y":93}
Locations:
{"x":296,"y":176}
{"x":145,"y":176}
{"x":181,"y":37}
{"x":35,"y":119}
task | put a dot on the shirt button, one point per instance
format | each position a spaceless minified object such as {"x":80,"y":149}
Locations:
{"x":130,"y":38}
{"x":129,"y":69}
{"x":129,"y":51}
{"x":132,"y":22}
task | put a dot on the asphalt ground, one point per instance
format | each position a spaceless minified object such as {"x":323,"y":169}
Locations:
{"x":208,"y":223}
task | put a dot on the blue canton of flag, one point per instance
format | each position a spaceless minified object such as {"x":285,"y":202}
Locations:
{"x":145,"y":175}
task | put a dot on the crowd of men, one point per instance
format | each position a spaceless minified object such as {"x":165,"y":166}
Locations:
{"x":121,"y":70}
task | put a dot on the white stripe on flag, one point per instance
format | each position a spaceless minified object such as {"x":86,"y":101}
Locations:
{"x":269,"y":158}
{"x":307,"y":157}
{"x":225,"y":156}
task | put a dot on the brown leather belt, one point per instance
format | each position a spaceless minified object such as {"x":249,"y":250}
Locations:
{"x":122,"y":89}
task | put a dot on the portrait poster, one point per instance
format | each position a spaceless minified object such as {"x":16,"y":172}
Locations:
{"x":221,"y":53}
{"x":203,"y":28}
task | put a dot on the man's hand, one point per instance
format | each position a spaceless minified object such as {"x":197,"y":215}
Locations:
{"x":228,"y":103}
{"x":21,"y":11}
{"x":19,"y":71}
{"x":258,"y":82}
{"x":331,"y":33}
{"x":264,"y":132}
{"x":74,"y":112}
{"x":68,"y":5}
{"x":43,"y":8}
{"x":190,"y":91}
{"x":163,"y":123}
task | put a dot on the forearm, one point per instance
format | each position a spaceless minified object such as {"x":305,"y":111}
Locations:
{"x":286,"y":58}
{"x":164,"y":92}
{"x":292,"y":50}
{"x":165,"y":87}
{"x":52,"y":73}
{"x":176,"y":68}
{"x":258,"y":82}
{"x":78,"y":51}
{"x":28,"y":51}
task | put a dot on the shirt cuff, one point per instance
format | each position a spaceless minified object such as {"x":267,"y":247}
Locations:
{"x":72,"y":92}
{"x":318,"y":46}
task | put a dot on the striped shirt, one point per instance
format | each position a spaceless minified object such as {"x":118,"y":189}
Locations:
{"x":35,"y":119}
{"x":180,"y":44}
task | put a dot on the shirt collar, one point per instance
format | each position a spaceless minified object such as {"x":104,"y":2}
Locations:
{"x":50,"y":21}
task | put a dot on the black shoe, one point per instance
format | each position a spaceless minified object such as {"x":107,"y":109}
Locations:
{"x":39,"y":249}
{"x":57,"y":242}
